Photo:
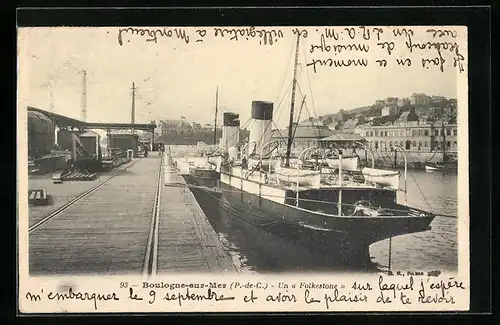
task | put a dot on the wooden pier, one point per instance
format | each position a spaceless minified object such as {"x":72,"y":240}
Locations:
{"x":109,"y":229}
{"x":187,"y":235}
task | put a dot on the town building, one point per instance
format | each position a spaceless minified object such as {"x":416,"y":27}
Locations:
{"x":390,"y":110}
{"x":438,"y":99}
{"x":167,"y":125}
{"x":340,"y":138}
{"x":447,"y":108}
{"x":391,"y":101}
{"x":412,"y":136}
{"x":420,"y":99}
{"x":423,"y":110}
{"x":403,"y":102}
{"x":350,"y":125}
{"x":359,"y":129}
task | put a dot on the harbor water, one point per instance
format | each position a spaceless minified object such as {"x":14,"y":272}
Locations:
{"x":257,"y":248}
{"x":436,"y":249}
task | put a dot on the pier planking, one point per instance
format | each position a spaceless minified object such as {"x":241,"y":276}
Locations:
{"x":104,"y":233}
{"x":107,"y":231}
{"x":62,"y":193}
{"x":187,"y":242}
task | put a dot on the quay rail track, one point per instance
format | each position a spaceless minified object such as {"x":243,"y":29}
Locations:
{"x":151,"y":253}
{"x":151,"y":256}
{"x":61,"y":209}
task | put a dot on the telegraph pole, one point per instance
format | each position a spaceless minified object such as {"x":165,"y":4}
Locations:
{"x":133,"y":106}
{"x":51,"y":100}
{"x":84,"y":96}
{"x":216,"y":109}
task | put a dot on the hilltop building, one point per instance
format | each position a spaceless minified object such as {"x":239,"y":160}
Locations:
{"x":420,"y":99}
{"x":390,"y":110}
{"x":403,"y":102}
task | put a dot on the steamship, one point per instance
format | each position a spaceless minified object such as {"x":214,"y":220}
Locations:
{"x":328,"y":205}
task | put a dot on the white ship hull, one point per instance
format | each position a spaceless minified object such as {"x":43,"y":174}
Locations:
{"x":303,"y":177}
{"x":430,"y":168}
{"x":348,"y":163}
{"x":389,"y":178}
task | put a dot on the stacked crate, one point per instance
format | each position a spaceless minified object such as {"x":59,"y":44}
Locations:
{"x":38,"y":197}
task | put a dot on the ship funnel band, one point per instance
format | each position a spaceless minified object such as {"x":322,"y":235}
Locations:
{"x":262,"y":110}
{"x":231,"y":119}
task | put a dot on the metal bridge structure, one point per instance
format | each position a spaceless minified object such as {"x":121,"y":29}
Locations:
{"x":68,"y":123}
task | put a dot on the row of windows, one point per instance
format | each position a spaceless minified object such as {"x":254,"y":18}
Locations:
{"x":410,"y":145}
{"x":386,"y":144}
{"x":407,"y":133}
{"x":305,"y":143}
{"x":438,"y":132}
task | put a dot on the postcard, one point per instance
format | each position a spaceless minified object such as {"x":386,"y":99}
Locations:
{"x":240,"y":169}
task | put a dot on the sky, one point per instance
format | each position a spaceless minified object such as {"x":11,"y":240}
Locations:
{"x":175,"y":78}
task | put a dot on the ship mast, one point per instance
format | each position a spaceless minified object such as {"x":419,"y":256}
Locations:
{"x":290,"y":124}
{"x":215,"y":120}
{"x":444,"y":136}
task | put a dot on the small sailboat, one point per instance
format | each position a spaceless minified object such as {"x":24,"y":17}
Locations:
{"x":381,"y":177}
{"x":448,"y":163}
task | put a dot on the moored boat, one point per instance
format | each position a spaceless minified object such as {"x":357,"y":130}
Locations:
{"x":448,"y":163}
{"x":348,"y":163}
{"x":346,"y":208}
{"x":431,"y":167}
{"x":441,"y":166}
{"x":204,"y":175}
{"x":381,"y":177}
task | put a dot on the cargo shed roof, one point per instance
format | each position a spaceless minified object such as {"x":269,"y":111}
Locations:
{"x":61,"y":120}
{"x":58,"y":119}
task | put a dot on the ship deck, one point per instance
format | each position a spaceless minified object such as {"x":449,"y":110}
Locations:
{"x":293,"y":187}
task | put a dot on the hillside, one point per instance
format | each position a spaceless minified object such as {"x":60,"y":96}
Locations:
{"x":344,"y":115}
{"x":429,"y":109}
